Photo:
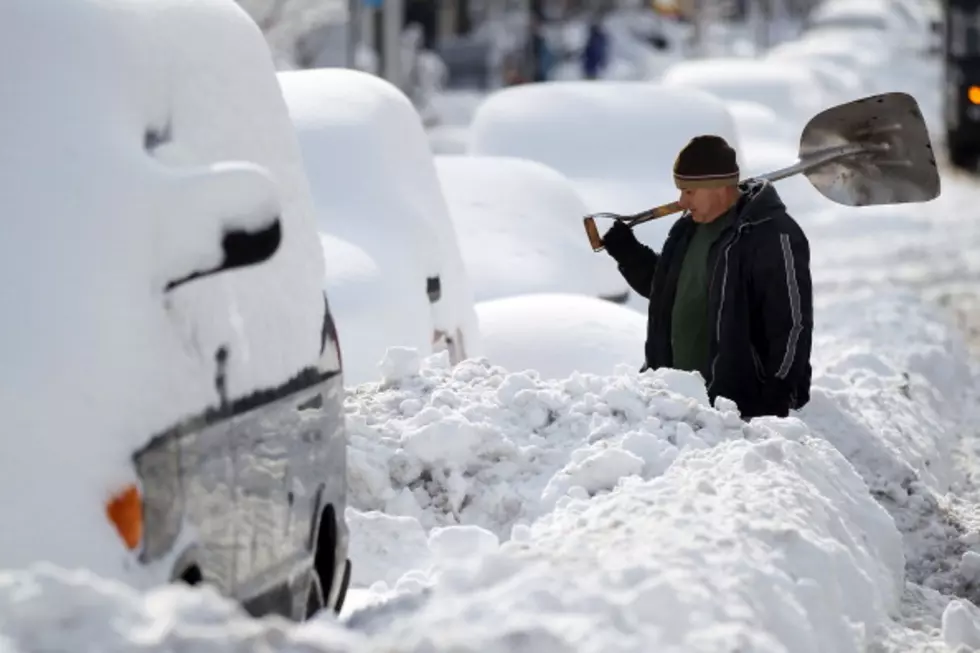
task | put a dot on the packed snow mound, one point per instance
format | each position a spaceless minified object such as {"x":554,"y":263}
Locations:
{"x":791,"y":90}
{"x":171,"y":138}
{"x":96,"y":616}
{"x":519,"y":224}
{"x":492,"y":447}
{"x":770,"y":545}
{"x":894,"y":408}
{"x":368,"y":158}
{"x":557,"y":335}
{"x":616,"y":140}
{"x":598,"y":513}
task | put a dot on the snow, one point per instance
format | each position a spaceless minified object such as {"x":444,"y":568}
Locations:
{"x":97,"y":356}
{"x":497,"y":510}
{"x":792,"y":91}
{"x":543,"y":496}
{"x":615,"y":140}
{"x":558,"y":334}
{"x":519,"y":225}
{"x":376,"y":188}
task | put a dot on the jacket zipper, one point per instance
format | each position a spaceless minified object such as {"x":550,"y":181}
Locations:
{"x":721,"y":301}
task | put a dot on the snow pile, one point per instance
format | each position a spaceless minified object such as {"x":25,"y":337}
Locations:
{"x":894,"y":407}
{"x":519,"y":225}
{"x":619,"y":513}
{"x":117,"y":185}
{"x":98,"y":616}
{"x":580,"y":465}
{"x":771,"y":545}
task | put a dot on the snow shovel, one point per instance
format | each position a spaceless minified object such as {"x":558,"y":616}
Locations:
{"x":871,"y":151}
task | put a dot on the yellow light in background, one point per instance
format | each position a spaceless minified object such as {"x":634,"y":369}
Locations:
{"x":973,"y":94}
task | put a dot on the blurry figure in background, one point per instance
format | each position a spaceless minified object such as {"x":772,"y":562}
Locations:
{"x":730,"y":292}
{"x":595,"y":56}
{"x":539,"y":55}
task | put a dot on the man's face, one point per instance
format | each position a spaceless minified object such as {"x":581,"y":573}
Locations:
{"x":706,"y":204}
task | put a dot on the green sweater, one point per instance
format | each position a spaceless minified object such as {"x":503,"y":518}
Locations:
{"x":690,"y":331}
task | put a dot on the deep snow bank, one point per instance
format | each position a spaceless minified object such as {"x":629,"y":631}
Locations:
{"x":480,"y":446}
{"x":618,"y":513}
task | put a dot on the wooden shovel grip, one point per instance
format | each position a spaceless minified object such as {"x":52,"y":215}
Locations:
{"x":593,"y":233}
{"x":595,"y":240}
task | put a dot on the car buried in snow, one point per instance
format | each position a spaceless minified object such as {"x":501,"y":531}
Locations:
{"x":398,"y":277}
{"x":172,"y":381}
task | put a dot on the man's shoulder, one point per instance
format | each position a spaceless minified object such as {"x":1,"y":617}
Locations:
{"x":780,"y":223}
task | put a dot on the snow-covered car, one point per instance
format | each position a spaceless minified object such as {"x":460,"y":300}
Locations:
{"x":841,"y":83}
{"x":375,"y":188}
{"x":172,"y":388}
{"x":842,"y":48}
{"x":615,"y":140}
{"x":519,"y":225}
{"x":558,"y":334}
{"x":792,"y":91}
{"x":903,"y":26}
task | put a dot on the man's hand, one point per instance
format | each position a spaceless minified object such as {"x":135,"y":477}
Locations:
{"x":619,"y":239}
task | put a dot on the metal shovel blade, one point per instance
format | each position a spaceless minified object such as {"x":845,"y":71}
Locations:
{"x":896,"y":164}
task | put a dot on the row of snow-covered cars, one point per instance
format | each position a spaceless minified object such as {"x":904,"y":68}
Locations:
{"x":173,"y":374}
{"x":186,"y":232}
{"x":172,"y":392}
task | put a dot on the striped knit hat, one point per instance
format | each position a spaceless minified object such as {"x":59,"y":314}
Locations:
{"x":706,"y":162}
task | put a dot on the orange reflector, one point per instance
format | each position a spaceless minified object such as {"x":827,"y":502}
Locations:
{"x":125,"y":511}
{"x":973,"y":94}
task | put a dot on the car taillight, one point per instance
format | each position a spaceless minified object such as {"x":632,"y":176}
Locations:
{"x":125,"y":511}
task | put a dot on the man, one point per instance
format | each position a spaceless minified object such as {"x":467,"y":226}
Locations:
{"x":595,"y":55}
{"x":730,"y":293}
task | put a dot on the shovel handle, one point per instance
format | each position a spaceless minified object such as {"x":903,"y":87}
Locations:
{"x":631,"y":221}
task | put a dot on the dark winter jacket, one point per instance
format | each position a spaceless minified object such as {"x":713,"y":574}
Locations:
{"x":760,"y":302}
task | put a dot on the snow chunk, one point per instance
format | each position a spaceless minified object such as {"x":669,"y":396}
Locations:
{"x":400,"y":363}
{"x":385,"y":547}
{"x":961,"y":626}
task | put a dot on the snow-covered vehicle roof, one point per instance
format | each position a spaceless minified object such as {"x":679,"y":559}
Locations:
{"x":519,"y":224}
{"x":135,"y":171}
{"x":375,"y":186}
{"x":617,"y":141}
{"x":792,"y":91}
{"x":558,"y":334}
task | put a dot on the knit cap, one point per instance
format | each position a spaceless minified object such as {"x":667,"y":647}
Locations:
{"x":707,"y":161}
